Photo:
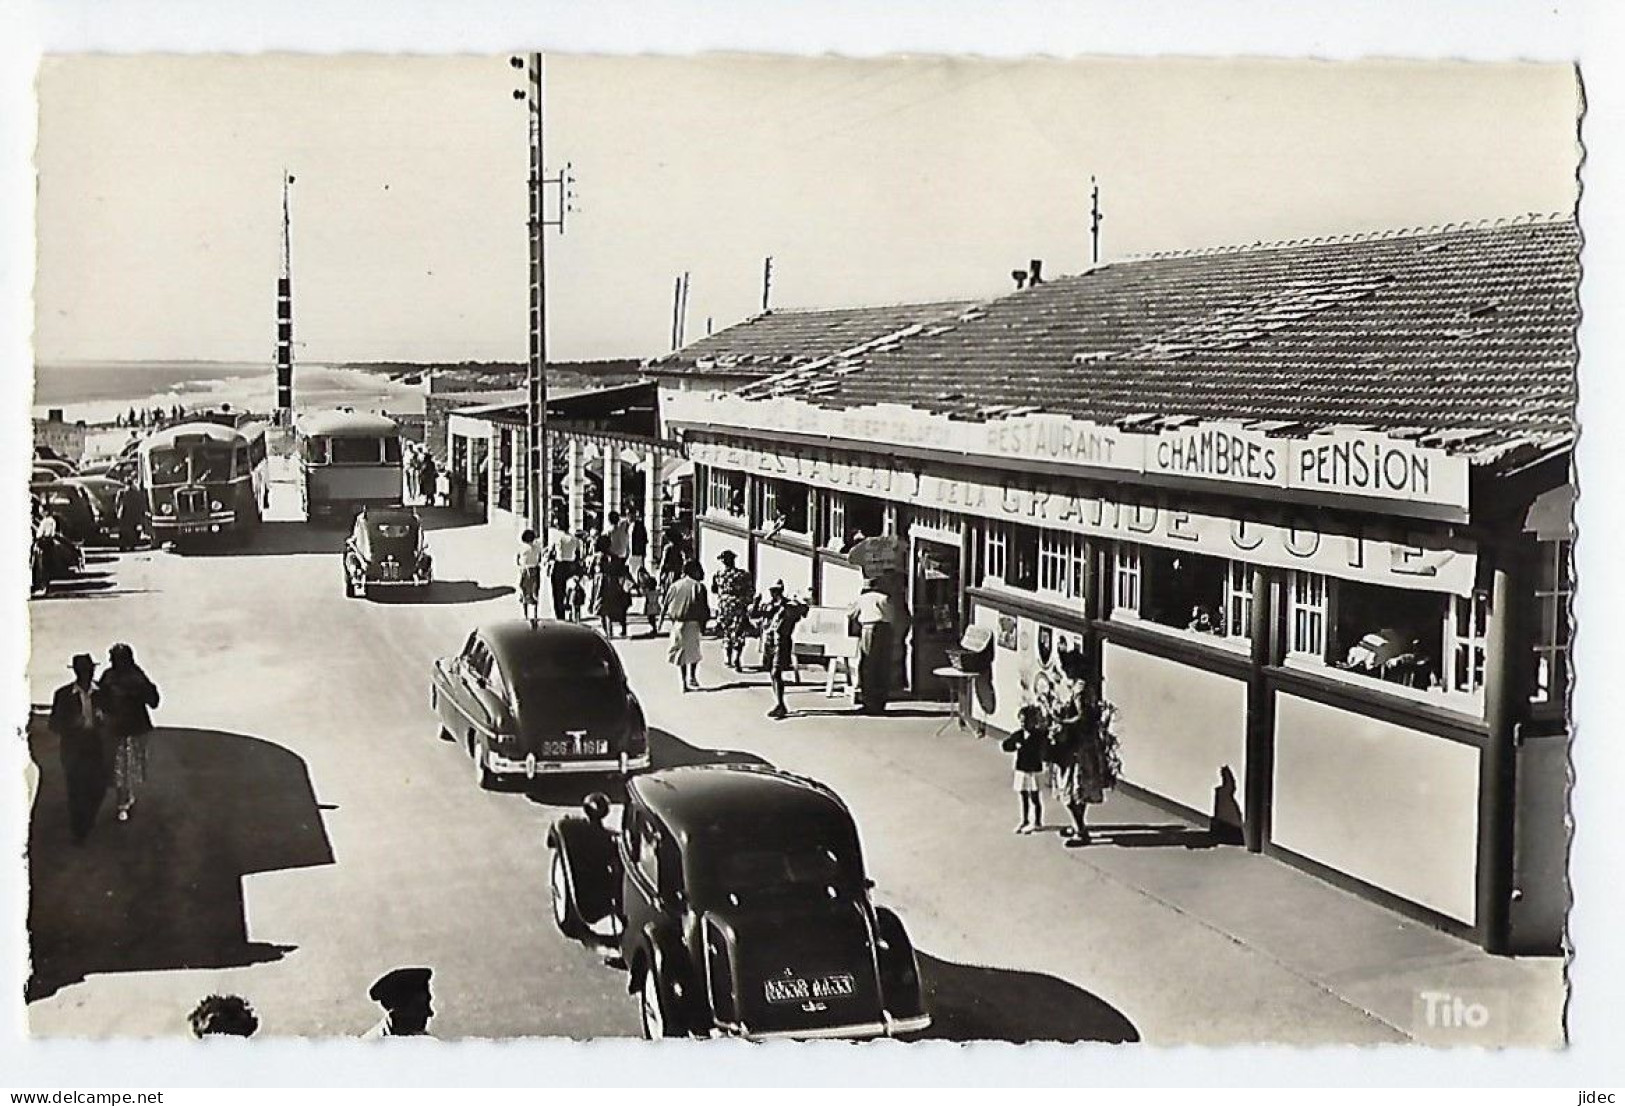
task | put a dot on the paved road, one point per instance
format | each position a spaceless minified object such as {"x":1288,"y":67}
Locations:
{"x":305,"y":830}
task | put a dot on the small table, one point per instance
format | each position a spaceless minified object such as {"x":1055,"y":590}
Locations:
{"x":962,"y":682}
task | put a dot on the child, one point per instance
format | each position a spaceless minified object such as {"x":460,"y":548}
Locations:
{"x":578,"y":598}
{"x":1029,"y":744}
{"x":649,"y":588}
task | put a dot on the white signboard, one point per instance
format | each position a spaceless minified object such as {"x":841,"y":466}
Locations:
{"x":1425,"y":564}
{"x":1365,"y":464}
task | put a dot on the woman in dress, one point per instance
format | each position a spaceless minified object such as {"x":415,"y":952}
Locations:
{"x":688,"y":607}
{"x":128,"y":695}
{"x":614,"y":600}
{"x":735,"y":592}
{"x":1083,"y":759}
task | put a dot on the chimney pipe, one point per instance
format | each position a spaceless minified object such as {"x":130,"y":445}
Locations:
{"x":1036,"y":267}
{"x":1020,"y":277}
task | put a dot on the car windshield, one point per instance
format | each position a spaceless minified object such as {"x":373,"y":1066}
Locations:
{"x":776,"y":870}
{"x":395,"y":530}
{"x":565,"y":661}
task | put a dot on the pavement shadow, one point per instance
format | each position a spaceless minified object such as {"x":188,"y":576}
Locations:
{"x":441,"y":592}
{"x":667,"y":750}
{"x":272,"y":539}
{"x":444,"y":518}
{"x":972,"y":1003}
{"x":1163,"y":836}
{"x":164,"y":890}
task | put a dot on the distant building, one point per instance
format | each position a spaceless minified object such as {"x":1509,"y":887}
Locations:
{"x":66,"y":439}
{"x":1300,"y":512}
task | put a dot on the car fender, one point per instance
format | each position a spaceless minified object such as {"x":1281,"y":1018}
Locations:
{"x":660,"y":947}
{"x":594,"y":863}
{"x":902,"y":992}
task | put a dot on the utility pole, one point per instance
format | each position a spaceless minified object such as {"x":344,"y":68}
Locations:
{"x":1094,"y":222}
{"x":767,"y":284}
{"x":538,"y":491}
{"x":676,"y":306}
{"x":284,"y":316}
{"x":682,"y":314}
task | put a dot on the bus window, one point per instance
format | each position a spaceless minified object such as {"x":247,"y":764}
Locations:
{"x":168,"y":467}
{"x":354,"y":451}
{"x":315,"y":450}
{"x":240,"y":463}
{"x":392,"y":451}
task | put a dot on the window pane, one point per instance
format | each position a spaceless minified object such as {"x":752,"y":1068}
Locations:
{"x":1392,"y":634}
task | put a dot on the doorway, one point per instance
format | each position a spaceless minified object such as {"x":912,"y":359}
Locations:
{"x":934,"y":601}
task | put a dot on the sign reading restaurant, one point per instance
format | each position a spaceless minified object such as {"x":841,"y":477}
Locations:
{"x":1422,"y":564}
{"x":1363,"y":464}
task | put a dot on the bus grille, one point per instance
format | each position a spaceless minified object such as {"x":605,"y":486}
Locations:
{"x":189,"y":501}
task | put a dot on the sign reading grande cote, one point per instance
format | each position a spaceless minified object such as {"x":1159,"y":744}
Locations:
{"x":1429,"y":564}
{"x":1364,"y":464}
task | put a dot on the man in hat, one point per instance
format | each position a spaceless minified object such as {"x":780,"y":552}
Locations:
{"x":404,"y":995}
{"x":76,"y":721}
{"x":778,"y":617}
{"x":734,"y":591}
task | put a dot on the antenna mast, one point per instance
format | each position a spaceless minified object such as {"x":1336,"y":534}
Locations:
{"x":284,"y":315}
{"x":1094,"y":221}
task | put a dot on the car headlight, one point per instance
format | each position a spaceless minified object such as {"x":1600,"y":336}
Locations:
{"x":214,"y":504}
{"x":167,"y":509}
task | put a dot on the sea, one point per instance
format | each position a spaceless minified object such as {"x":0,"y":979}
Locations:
{"x":99,"y":392}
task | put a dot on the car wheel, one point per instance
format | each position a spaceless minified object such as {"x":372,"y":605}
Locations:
{"x":561,"y":890}
{"x":653,"y":1013}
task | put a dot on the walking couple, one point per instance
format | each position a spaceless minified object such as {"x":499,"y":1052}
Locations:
{"x":97,"y":721}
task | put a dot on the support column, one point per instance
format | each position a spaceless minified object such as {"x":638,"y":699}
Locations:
{"x":612,"y":480}
{"x":574,"y":485}
{"x":653,"y":497}
{"x":1504,"y":648}
{"x":1267,"y":632}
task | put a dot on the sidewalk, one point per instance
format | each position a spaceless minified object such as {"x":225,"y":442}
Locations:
{"x":1152,"y":934}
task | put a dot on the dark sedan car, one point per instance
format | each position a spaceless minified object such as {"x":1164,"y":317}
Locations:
{"x":386,"y":549}
{"x":742,"y":906}
{"x":537,"y":699}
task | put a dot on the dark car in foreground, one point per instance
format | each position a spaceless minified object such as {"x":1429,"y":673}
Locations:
{"x":539,"y":698}
{"x":742,"y":906}
{"x":386,"y":549}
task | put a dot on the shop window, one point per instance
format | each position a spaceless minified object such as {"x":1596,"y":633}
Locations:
{"x":1391,"y":634}
{"x":1078,"y":567}
{"x":1466,"y":645}
{"x":832,"y":521}
{"x":1126,"y":579}
{"x":1553,"y":591}
{"x":1183,"y":590}
{"x":996,"y":550}
{"x":1021,"y":569}
{"x":1306,"y":603}
{"x":1054,"y":561}
{"x":725,"y":492}
{"x":781,"y":506}
{"x":865,"y":518}
{"x":935,"y":518}
{"x":1238,"y":600}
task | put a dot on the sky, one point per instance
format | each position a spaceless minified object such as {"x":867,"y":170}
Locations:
{"x":867,"y":181}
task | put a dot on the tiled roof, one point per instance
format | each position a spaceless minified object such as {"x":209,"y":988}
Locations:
{"x":1460,"y":337}
{"x":778,"y":340}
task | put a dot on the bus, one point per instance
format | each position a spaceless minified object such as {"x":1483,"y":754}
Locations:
{"x":348,"y":460}
{"x":199,"y":479}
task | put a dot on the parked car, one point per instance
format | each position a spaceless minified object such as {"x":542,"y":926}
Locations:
{"x":103,"y":493}
{"x":742,"y":906}
{"x":72,"y":506}
{"x":386,"y":549}
{"x":537,"y":699}
{"x":57,"y":465}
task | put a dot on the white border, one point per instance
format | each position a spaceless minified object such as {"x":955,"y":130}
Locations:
{"x":1478,"y":29}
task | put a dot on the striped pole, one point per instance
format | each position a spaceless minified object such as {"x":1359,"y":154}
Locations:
{"x":284,"y":318}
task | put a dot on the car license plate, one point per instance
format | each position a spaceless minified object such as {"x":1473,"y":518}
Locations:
{"x":800,"y":990}
{"x":581,"y":746}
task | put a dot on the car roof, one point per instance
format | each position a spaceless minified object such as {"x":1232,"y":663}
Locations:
{"x":359,"y":423}
{"x":511,"y":637}
{"x":712,"y":795}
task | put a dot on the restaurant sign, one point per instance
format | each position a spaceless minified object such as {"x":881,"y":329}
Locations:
{"x":1425,"y":563}
{"x":1366,"y":464}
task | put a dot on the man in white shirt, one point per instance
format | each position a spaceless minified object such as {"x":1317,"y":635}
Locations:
{"x":564,"y":562}
{"x":620,"y":537}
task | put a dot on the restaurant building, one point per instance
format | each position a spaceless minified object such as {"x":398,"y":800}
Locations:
{"x":1301,"y":512}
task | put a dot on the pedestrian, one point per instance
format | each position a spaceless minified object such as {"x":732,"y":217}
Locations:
{"x":428,"y":476}
{"x":442,"y":488}
{"x":619,"y":533}
{"x":129,"y":508}
{"x":75,"y":719}
{"x":1082,"y":761}
{"x":1031,"y":746}
{"x":408,"y":1005}
{"x":577,"y":600}
{"x":735,"y":591}
{"x":614,"y":600}
{"x":778,"y":617}
{"x":409,"y":462}
{"x":130,"y":695}
{"x":564,"y":562}
{"x":223,"y":1016}
{"x":688,"y":608}
{"x":653,"y":599}
{"x":874,"y":616}
{"x":529,"y":559}
{"x":673,"y":556}
{"x":640,"y":538}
